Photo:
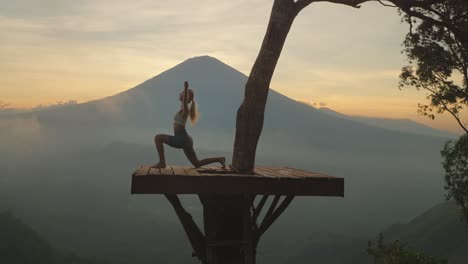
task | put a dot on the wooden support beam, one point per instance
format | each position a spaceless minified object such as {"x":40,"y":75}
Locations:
{"x":230,"y":226}
{"x":229,"y":212}
{"x":195,"y":236}
{"x":258,"y":209}
{"x":272,"y":207}
{"x":268,"y":221}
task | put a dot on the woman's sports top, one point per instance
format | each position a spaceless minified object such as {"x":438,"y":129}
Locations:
{"x":179,"y":118}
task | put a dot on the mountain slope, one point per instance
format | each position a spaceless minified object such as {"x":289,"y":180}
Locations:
{"x":20,"y":244}
{"x":401,"y":125}
{"x":65,"y":159}
{"x":146,"y":109}
{"x":439,"y":232}
{"x":294,"y":134}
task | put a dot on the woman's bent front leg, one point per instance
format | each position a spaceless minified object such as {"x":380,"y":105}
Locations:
{"x":158,"y":141}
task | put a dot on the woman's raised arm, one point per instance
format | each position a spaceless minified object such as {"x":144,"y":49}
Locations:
{"x":186,"y":97}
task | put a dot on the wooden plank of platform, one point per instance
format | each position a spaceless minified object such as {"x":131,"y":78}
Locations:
{"x":213,"y":180}
{"x":179,"y":171}
{"x":141,"y":171}
{"x":192,"y":171}
{"x":167,"y":171}
{"x":154,"y":171}
{"x":215,"y":171}
{"x":307,"y":173}
{"x":267,"y":172}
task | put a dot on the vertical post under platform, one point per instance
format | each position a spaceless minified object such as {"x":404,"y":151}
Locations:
{"x":230,"y":222}
{"x":229,"y":229}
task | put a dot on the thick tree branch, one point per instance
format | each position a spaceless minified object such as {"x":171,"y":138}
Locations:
{"x":384,"y":4}
{"x":465,"y":76}
{"x":455,"y":52}
{"x":438,"y":13}
{"x":414,"y":3}
{"x":442,"y":23}
{"x":301,"y":4}
{"x":421,"y":3}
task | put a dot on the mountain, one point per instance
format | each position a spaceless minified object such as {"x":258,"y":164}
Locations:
{"x":394,"y":124}
{"x":138,"y":113}
{"x":66,"y":170}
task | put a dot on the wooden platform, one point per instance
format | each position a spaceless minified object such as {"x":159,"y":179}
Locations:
{"x":214,"y":180}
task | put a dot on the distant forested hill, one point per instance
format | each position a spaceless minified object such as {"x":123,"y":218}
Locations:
{"x":20,"y":244}
{"x":437,"y":232}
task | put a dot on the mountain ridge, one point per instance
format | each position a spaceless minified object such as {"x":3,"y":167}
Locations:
{"x":146,"y":95}
{"x":395,"y":124}
{"x":293,"y":134}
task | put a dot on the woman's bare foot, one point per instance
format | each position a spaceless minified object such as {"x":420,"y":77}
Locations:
{"x":223,"y":162}
{"x":159,"y":165}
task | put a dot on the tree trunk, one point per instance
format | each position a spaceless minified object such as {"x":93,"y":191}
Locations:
{"x":228,"y":229}
{"x":249,"y":122}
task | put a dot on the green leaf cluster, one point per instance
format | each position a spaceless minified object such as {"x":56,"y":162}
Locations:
{"x":437,"y":49}
{"x":455,"y":164}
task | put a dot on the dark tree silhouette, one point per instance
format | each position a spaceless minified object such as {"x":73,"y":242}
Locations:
{"x":437,"y":49}
{"x":250,"y":115}
{"x":456,"y":173}
{"x":249,"y":122}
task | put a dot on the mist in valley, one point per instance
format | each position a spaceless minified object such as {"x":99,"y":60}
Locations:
{"x":66,"y":170}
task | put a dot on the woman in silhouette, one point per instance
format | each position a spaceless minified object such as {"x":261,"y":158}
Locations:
{"x":181,"y":139}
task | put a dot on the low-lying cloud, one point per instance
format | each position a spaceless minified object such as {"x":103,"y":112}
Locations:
{"x":6,"y":109}
{"x":312,"y":103}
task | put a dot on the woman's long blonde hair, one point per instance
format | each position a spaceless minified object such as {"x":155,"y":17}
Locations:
{"x":193,"y":109}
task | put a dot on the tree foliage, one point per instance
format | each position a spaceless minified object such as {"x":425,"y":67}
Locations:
{"x":444,"y":15}
{"x":456,"y":172}
{"x":397,"y":253}
{"x":437,"y":49}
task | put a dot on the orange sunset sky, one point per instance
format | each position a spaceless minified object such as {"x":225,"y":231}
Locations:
{"x":336,"y":56}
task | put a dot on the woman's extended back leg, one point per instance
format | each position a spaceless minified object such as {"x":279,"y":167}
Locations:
{"x":192,"y":157}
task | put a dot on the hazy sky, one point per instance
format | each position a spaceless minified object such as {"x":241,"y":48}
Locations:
{"x":345,"y":58}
